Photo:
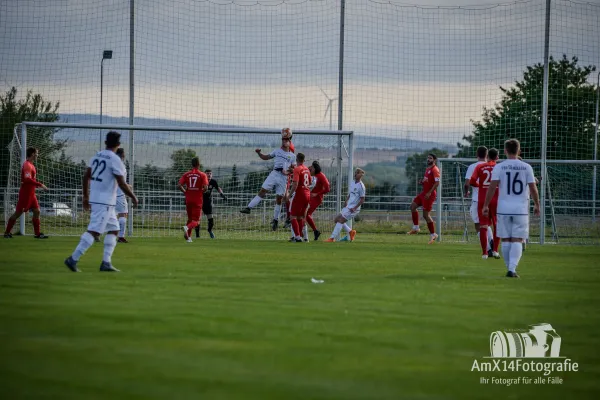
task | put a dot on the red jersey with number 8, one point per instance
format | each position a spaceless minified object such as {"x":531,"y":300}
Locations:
{"x":194,"y":181}
{"x":482,"y":177}
{"x":302,"y":176}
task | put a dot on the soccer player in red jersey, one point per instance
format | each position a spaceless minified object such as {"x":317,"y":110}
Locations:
{"x":481,"y":178}
{"x":287,"y":133}
{"x":301,"y":189}
{"x":27,"y":200}
{"x":320,"y":189}
{"x":193,"y":184}
{"x":426,"y":198}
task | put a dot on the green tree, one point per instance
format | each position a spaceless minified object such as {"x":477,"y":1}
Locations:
{"x":571,"y":113}
{"x":232,"y":185}
{"x":31,"y":108}
{"x":181,"y":161}
{"x":150,"y":177}
{"x":415,"y":168}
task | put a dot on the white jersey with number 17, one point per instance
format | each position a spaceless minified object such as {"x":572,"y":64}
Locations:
{"x":103,"y":187}
{"x":515,"y":177}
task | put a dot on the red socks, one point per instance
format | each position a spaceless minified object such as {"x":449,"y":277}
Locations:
{"x":483,"y":240}
{"x":9,"y":226}
{"x":36,"y":226}
{"x":431,"y":227}
{"x":311,"y":223}
{"x":296,"y":227}
{"x":415,"y":218}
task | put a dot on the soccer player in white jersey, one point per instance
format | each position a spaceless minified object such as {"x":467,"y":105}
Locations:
{"x":482,"y":152}
{"x":277,"y":179}
{"x":103,"y":175}
{"x":122,"y":208}
{"x":355,"y":199}
{"x":513,"y":177}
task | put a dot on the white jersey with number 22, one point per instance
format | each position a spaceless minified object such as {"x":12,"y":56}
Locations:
{"x":103,"y":187}
{"x":514,"y":177}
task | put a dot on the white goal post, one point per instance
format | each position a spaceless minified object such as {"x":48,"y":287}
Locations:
{"x":156,"y":156}
{"x":570,"y":201}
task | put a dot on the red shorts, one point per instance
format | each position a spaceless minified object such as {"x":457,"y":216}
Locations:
{"x":194,"y":211}
{"x":313,"y":204}
{"x":299,"y":204}
{"x":492,"y":217}
{"x":27,"y":202}
{"x":427,"y":204}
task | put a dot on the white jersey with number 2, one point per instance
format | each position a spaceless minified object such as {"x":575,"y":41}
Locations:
{"x":515,"y":177}
{"x":103,"y":187}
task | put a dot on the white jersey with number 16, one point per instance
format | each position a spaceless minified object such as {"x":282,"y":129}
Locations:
{"x":514,"y":177}
{"x":103,"y":187}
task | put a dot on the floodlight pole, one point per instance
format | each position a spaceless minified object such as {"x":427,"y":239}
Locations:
{"x":131,"y":109}
{"x":594,"y":177}
{"x":544,"y":141}
{"x":106,"y":55}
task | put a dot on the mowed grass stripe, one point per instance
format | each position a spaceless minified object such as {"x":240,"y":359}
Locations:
{"x":395,"y":318}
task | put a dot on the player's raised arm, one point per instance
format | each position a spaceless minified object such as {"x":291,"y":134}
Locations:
{"x":85,"y":184}
{"x":126,"y":189}
{"x":262,"y":156}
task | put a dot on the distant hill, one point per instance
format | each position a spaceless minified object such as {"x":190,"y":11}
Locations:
{"x":372,"y":142}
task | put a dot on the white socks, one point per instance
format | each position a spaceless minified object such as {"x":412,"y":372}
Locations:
{"x":336,"y":230}
{"x":305,"y":232}
{"x":512,"y":253}
{"x":276,"y":211}
{"x":506,"y":252}
{"x":516,"y":251}
{"x":110,"y":242}
{"x":346,"y":227}
{"x":254,"y":202}
{"x":87,"y":240}
{"x":122,"y":223}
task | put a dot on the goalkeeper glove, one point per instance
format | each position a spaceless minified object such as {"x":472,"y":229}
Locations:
{"x":223,"y":197}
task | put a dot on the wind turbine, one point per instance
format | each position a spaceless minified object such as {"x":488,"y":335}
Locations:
{"x":329,"y":108}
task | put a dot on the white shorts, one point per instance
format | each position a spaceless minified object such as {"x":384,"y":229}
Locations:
{"x":122,"y":207}
{"x":275,"y":182}
{"x":474,"y":213}
{"x":349,"y":215}
{"x":103,"y":219}
{"x":513,"y":226}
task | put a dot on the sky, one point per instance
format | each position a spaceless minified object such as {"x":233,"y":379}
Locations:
{"x":415,"y":67}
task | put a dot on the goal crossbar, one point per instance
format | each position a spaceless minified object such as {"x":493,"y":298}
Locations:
{"x":163,"y":128}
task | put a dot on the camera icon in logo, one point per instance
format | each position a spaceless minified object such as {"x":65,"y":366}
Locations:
{"x":540,"y":341}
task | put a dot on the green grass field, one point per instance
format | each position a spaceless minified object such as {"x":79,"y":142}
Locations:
{"x":228,"y":319}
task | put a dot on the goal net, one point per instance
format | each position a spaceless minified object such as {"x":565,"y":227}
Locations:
{"x":571,"y":205}
{"x":156,"y":157}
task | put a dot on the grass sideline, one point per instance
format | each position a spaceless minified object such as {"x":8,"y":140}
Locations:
{"x":234,"y":319}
